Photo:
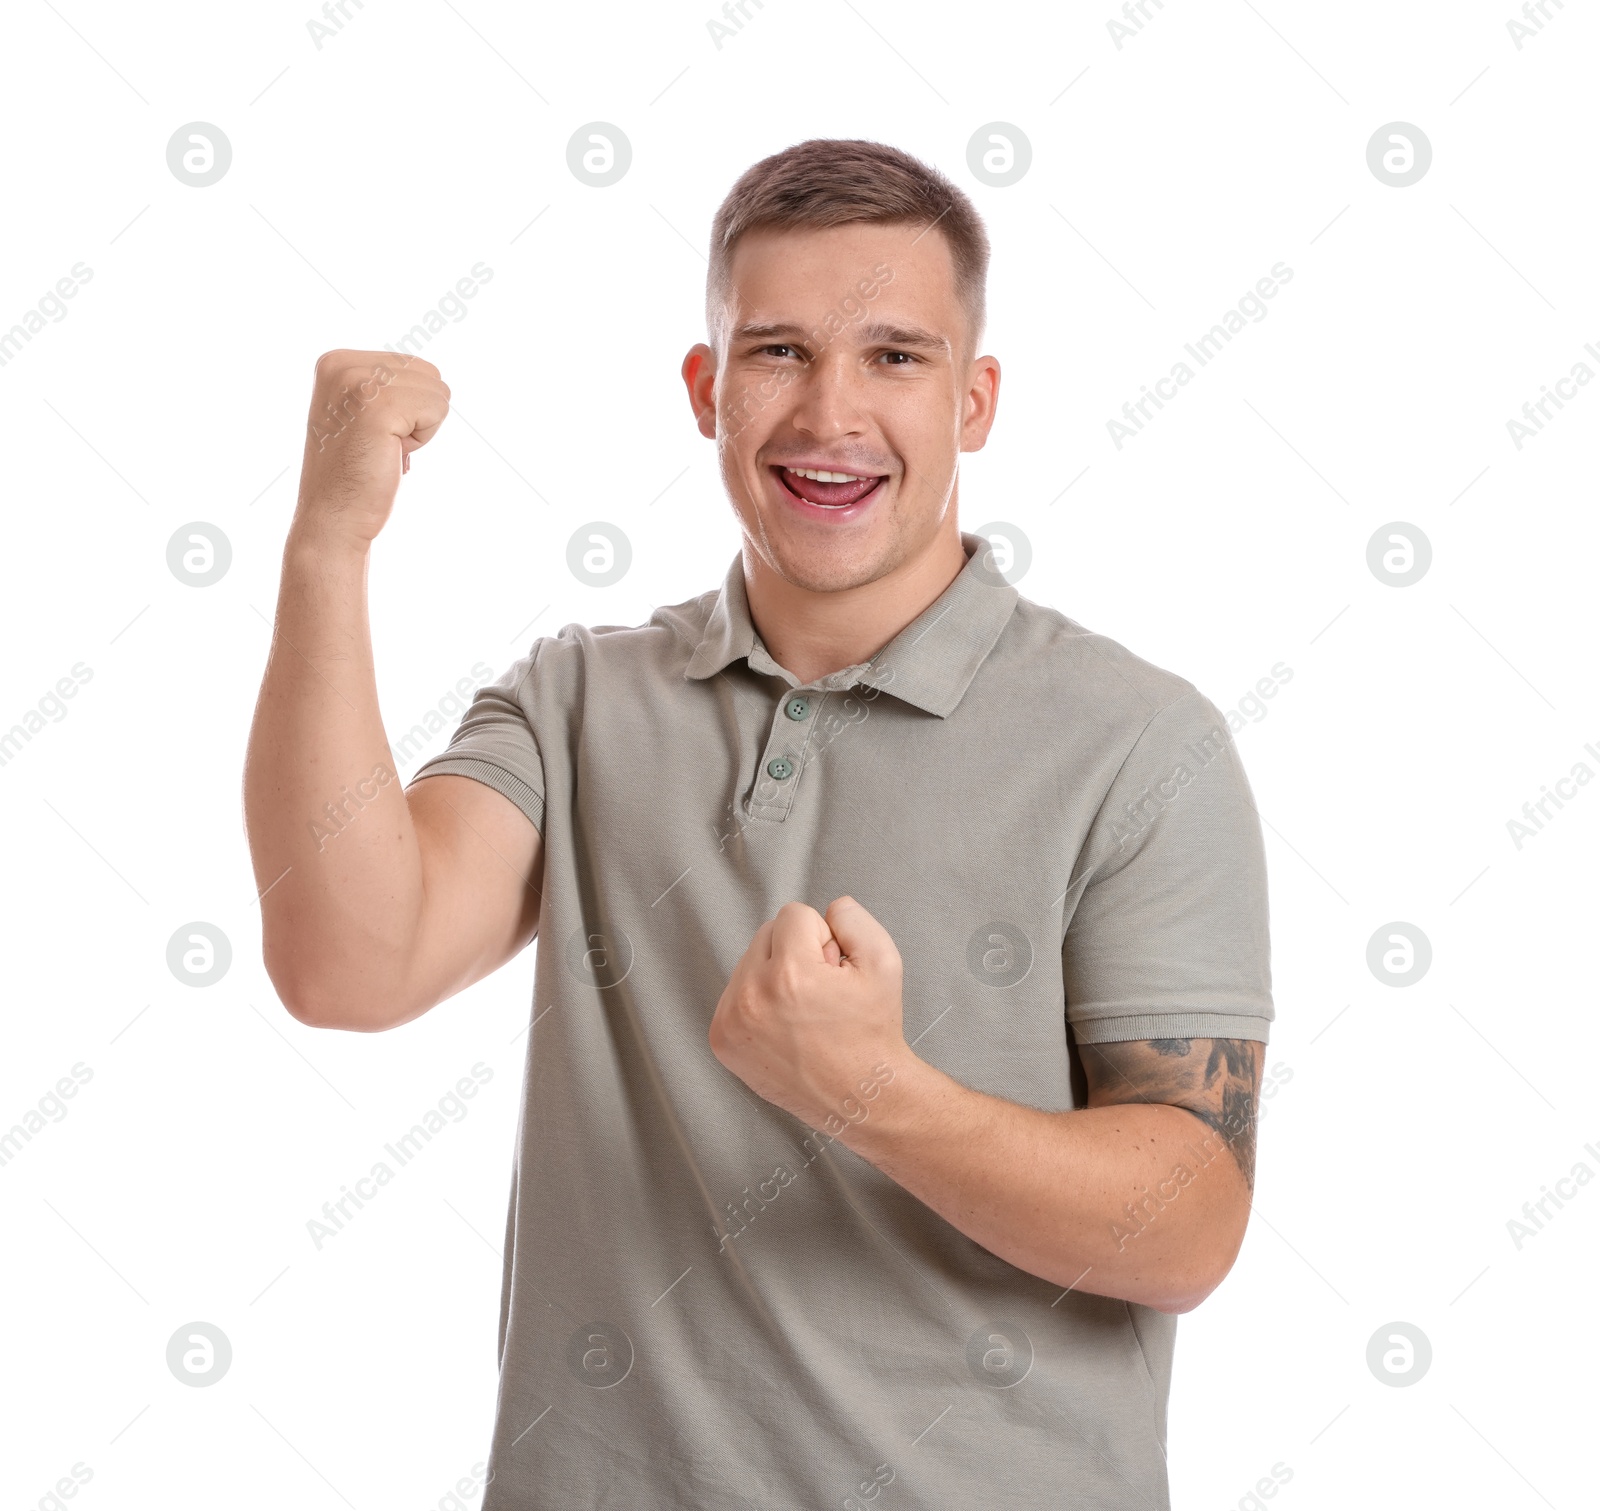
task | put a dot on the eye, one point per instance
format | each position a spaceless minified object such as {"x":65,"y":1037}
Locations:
{"x":780,"y":346}
{"x":907,"y":355}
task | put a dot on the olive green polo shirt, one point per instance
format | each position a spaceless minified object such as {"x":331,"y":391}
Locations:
{"x":707,"y":1304}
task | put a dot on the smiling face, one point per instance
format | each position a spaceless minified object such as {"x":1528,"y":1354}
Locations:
{"x":844,"y":352}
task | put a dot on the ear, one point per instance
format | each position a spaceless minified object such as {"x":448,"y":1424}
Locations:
{"x":982,"y":400}
{"x":700,"y":378}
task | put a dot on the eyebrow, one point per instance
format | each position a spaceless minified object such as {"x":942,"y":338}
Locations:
{"x":871,"y":332}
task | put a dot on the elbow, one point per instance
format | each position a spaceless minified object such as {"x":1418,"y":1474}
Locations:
{"x":303,"y":1012}
{"x":314,"y":1012}
{"x":301,"y":1006}
{"x":292,"y":993}
{"x":312,"y":1004}
{"x":294,"y":1001}
{"x":1175,"y":1306}
{"x":308,"y":1006}
{"x":1198,"y":1281}
{"x":1174,"y":1301}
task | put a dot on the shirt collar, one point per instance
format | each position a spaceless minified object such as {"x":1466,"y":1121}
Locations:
{"x":930,"y":663}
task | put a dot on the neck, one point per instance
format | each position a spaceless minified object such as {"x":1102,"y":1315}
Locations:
{"x":811,"y":634}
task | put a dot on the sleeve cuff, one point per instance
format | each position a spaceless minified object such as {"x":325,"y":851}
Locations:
{"x":1193,"y":1025}
{"x":507,"y":783}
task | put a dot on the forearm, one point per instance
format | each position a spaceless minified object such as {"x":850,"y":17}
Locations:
{"x":1141,"y":1202}
{"x":331,"y":836}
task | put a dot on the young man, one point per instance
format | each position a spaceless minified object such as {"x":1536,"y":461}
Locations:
{"x":903,"y":979}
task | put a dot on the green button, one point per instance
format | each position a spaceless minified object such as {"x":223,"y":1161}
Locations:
{"x":780,"y":769}
{"x":797,"y":708}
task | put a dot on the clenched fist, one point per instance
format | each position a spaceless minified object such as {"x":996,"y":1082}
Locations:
{"x":369,"y":412}
{"x":811,"y":1018}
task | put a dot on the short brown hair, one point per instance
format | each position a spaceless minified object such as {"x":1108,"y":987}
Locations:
{"x":829,"y":181}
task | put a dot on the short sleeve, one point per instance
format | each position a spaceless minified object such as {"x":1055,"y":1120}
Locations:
{"x":1169,"y":937}
{"x":495,"y":743}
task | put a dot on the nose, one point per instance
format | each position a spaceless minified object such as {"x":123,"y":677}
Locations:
{"x":827,"y":398}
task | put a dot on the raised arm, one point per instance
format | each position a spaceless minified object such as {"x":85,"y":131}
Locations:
{"x":376,"y":904}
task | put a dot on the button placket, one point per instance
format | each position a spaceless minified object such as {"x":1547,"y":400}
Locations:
{"x":782,"y":761}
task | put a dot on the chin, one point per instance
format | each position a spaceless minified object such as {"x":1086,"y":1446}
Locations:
{"x":831,"y":567}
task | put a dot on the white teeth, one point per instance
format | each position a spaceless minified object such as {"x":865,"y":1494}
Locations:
{"x":825,"y":477}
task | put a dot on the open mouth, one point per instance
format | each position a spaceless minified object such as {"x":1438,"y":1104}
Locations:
{"x":827,"y":490}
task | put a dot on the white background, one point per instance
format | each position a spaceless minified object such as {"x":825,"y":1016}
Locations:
{"x":1231,"y":534}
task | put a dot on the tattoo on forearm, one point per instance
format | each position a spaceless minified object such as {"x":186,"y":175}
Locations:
{"x":1218,"y":1080}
